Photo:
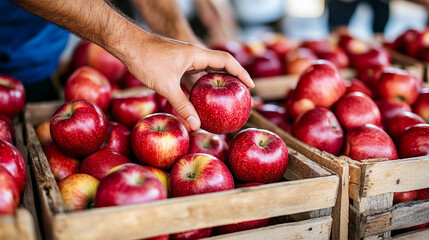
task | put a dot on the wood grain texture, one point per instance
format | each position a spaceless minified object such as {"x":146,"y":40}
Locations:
{"x":17,"y":227}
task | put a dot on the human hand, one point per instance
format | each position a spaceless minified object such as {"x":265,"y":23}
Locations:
{"x":161,"y":63}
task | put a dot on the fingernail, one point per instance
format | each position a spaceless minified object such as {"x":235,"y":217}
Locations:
{"x":193,"y":122}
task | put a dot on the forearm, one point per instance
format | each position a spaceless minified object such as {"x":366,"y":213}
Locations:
{"x":94,"y":20}
{"x":165,"y":18}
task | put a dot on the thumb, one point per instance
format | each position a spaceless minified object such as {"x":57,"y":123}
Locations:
{"x":183,"y":107}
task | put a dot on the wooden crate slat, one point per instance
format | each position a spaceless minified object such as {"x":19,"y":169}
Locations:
{"x":17,"y":227}
{"x":340,"y":211}
{"x":313,"y":229}
{"x":199,"y":211}
{"x":395,"y":176}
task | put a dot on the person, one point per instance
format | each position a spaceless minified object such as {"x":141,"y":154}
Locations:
{"x":159,"y":62}
{"x":341,"y":11}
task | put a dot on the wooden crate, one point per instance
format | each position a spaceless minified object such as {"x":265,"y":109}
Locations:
{"x":307,"y":198}
{"x":370,"y":186}
{"x":24,"y":224}
{"x":275,"y":88}
{"x":417,"y":67}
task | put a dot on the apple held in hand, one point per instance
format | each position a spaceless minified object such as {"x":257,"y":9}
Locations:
{"x":100,"y":162}
{"x":257,"y":155}
{"x":159,"y":140}
{"x":78,"y":191}
{"x":43,"y":132}
{"x":205,"y":142}
{"x":61,"y":165}
{"x":127,"y":110}
{"x":88,"y":83}
{"x":78,"y":128}
{"x":397,"y":124}
{"x":356,"y":109}
{"x":199,"y":173}
{"x":118,"y":139}
{"x":5,"y":132}
{"x":129,"y":184}
{"x":399,"y":84}
{"x":414,"y":141}
{"x":12,"y":95}
{"x":11,"y":159}
{"x":9,"y":193}
{"x":321,"y":83}
{"x":319,"y":128}
{"x":369,"y":141}
{"x":222,"y":102}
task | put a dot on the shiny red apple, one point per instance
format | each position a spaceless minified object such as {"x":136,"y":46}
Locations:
{"x":266,"y":64}
{"x":118,"y":139}
{"x":100,"y":162}
{"x":205,"y":142}
{"x":222,"y":102}
{"x":5,"y":132}
{"x":105,"y":62}
{"x":390,"y":107}
{"x":61,"y":165}
{"x":13,"y":161}
{"x":414,"y":141}
{"x":9,"y":193}
{"x":78,"y":128}
{"x":421,"y":105}
{"x":257,"y":155}
{"x":12,"y":95}
{"x":397,"y":124}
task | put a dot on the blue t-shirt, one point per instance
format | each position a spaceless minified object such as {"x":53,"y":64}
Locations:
{"x":30,"y":47}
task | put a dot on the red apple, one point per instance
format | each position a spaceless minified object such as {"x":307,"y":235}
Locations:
{"x":423,"y":54}
{"x":405,"y":39}
{"x":297,"y":107}
{"x":236,"y":49}
{"x":390,"y":107}
{"x":192,"y":234}
{"x":321,"y":83}
{"x":319,"y":128}
{"x":422,"y":194}
{"x":130,"y":184}
{"x":352,"y":45}
{"x":205,"y":142}
{"x":257,"y":155}
{"x":414,"y":141}
{"x":80,"y":54}
{"x":159,"y":140}
{"x":61,"y":165}
{"x":369,"y":141}
{"x":399,"y":197}
{"x":356,"y":109}
{"x":267,"y":64}
{"x":316,"y":45}
{"x":78,"y":191}
{"x":8,"y":121}
{"x":43,"y":132}
{"x":222,"y":102}
{"x":298,"y":59}
{"x":5,"y":132}
{"x":12,"y":160}
{"x":275,"y":114}
{"x":160,"y":237}
{"x":118,"y":139}
{"x":130,"y":81}
{"x":161,"y":175}
{"x":356,"y":85}
{"x":421,"y":105}
{"x":421,"y":41}
{"x":399,"y":84}
{"x":127,"y":110}
{"x":370,"y":74}
{"x":78,"y":128}
{"x":397,"y":124}
{"x":242,"y":226}
{"x":100,"y":162}
{"x":9,"y":193}
{"x":199,"y":173}
{"x":375,"y":55}
{"x":88,"y":83}
{"x":12,"y":95}
{"x":105,"y":62}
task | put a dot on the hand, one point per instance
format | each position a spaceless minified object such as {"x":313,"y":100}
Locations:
{"x":160,"y":63}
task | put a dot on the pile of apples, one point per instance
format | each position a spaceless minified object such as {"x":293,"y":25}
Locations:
{"x":414,"y":43}
{"x":13,"y":173}
{"x":150,"y":155}
{"x":275,"y":54}
{"x":383,"y":113}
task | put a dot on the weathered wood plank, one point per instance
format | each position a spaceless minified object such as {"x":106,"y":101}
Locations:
{"x":17,"y":227}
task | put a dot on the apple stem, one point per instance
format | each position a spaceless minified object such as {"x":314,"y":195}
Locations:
{"x":261,"y":143}
{"x":191,"y":175}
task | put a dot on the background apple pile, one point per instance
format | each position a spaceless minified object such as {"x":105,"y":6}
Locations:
{"x":115,"y":149}
{"x":13,"y":173}
{"x":382,"y":113}
{"x":414,"y":43}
